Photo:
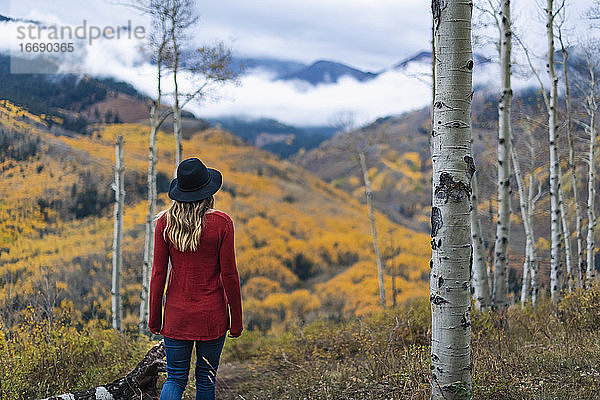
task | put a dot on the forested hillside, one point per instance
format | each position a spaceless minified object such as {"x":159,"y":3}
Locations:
{"x":303,"y":247}
{"x":399,"y":164}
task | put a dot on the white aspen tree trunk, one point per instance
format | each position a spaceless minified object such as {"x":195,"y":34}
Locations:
{"x":490,"y":253}
{"x":453,"y":168}
{"x":529,"y":240}
{"x":432,"y":66}
{"x":156,"y":120}
{"x":566,"y":234}
{"x":555,"y":266}
{"x":500,"y":293}
{"x":480,"y":275}
{"x":573,"y":169}
{"x":592,"y":107}
{"x":369,"y":195}
{"x":117,"y":257}
{"x":177,"y":132}
{"x":533,"y":267}
{"x":149,"y":225}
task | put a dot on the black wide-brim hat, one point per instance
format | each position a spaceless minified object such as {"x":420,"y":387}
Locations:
{"x":194,"y":181}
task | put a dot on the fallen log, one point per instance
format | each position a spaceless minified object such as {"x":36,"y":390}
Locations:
{"x":140,"y":383}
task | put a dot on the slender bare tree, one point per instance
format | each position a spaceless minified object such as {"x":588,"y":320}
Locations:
{"x":207,"y":66}
{"x":498,"y":12}
{"x":591,"y":265}
{"x":181,"y":16}
{"x":590,"y":89}
{"x":157,"y":47}
{"x":453,"y":168}
{"x":572,"y":166}
{"x":117,"y":256}
{"x":369,"y":195}
{"x":566,"y":233}
{"x":551,"y":102}
{"x":527,"y":205}
{"x":555,"y":230}
{"x":344,"y":122}
{"x":480,"y":274}
{"x":500,"y":293}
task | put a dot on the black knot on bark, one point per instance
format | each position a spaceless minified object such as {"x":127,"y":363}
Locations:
{"x":449,"y":189}
{"x":465,"y":323}
{"x":470,"y":64}
{"x":435,"y":299}
{"x":470,"y":166}
{"x":436,"y":221}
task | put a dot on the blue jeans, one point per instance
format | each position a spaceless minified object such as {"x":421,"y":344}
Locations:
{"x":178,"y":367}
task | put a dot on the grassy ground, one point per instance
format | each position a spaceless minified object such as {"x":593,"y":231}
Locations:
{"x":548,"y":352}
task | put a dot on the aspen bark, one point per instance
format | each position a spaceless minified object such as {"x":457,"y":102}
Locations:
{"x":490,"y":252}
{"x":117,"y":256}
{"x":480,"y":274}
{"x":158,"y":42}
{"x":555,"y":267}
{"x":149,"y":225}
{"x":533,"y":266}
{"x":525,"y":203}
{"x":432,"y":66}
{"x":453,"y":168}
{"x":177,"y":132}
{"x":369,"y":195}
{"x":566,"y":233}
{"x":500,"y":293}
{"x":592,"y":106}
{"x":573,"y":168}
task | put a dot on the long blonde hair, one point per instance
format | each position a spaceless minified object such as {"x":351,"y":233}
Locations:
{"x":184,"y":222}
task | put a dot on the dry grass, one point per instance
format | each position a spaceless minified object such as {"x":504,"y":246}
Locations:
{"x":548,"y":352}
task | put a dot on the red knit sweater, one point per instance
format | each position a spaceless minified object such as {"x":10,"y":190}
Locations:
{"x":201,"y":284}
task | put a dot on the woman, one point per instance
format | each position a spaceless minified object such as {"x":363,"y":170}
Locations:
{"x":203,"y":280}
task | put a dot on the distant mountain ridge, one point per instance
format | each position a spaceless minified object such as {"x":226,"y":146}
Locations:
{"x":319,"y":72}
{"x":424,"y":57}
{"x":75,"y":103}
{"x":323,"y":71}
{"x":274,"y":136}
{"x":4,"y":18}
{"x":327,"y":71}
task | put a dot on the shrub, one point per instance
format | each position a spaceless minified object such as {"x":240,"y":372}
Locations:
{"x":39,"y":361}
{"x":580,"y":310}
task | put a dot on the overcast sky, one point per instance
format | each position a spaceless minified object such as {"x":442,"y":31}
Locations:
{"x":368,"y":34}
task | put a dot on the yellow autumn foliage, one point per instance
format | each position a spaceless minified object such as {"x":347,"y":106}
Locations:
{"x":303,"y":247}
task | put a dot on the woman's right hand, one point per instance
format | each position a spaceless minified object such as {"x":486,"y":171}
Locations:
{"x":234,"y":334}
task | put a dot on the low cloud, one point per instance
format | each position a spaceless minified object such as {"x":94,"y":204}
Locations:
{"x":259,"y":95}
{"x":301,"y":104}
